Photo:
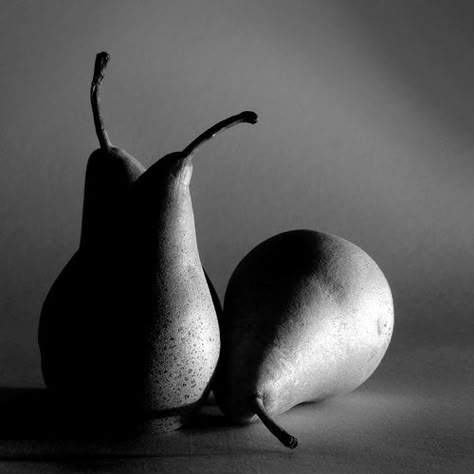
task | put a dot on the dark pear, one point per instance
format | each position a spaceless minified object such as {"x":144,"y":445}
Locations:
{"x":76,"y":315}
{"x":83,"y":329}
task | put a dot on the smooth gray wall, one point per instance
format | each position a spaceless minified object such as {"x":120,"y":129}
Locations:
{"x":366,"y":131}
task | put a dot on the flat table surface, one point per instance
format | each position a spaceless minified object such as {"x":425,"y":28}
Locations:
{"x":416,"y":414}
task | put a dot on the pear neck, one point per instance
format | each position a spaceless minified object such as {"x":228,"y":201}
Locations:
{"x":174,"y":228}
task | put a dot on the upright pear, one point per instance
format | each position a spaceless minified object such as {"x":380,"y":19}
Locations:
{"x":307,"y":315}
{"x":83,"y":329}
{"x":76,"y":316}
{"x":173,"y":328}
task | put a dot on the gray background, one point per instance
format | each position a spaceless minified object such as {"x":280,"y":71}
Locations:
{"x":366,"y":131}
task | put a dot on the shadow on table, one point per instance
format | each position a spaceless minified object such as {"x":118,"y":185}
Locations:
{"x":364,"y":428}
{"x":31,"y":413}
{"x":26,"y":413}
{"x":33,"y":429}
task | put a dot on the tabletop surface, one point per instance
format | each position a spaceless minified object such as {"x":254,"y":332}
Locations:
{"x":416,"y":414}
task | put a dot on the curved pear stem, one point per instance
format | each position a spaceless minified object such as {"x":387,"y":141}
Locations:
{"x":101,"y":61}
{"x":285,"y":438}
{"x":243,"y":117}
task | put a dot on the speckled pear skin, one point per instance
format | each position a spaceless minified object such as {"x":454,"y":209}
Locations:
{"x":91,"y":347}
{"x":307,"y":315}
{"x":83,"y":327}
{"x":173,"y":317}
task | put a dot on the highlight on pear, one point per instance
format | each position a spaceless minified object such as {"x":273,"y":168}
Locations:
{"x":307,"y":315}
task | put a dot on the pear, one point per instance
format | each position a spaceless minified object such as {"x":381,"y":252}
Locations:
{"x":83,"y":328}
{"x":307,"y":316}
{"x":75,"y":318}
{"x":173,"y":328}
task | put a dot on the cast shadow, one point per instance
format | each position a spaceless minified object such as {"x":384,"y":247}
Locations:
{"x":26,"y":413}
{"x":32,"y":413}
{"x":34,"y":428}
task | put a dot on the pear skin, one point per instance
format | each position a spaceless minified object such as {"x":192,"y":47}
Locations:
{"x":83,"y":330}
{"x":173,"y":327}
{"x":307,"y":315}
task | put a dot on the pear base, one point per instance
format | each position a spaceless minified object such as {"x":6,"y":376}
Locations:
{"x":162,"y":424}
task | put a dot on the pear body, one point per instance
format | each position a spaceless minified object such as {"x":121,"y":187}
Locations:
{"x":173,"y":323}
{"x":128,"y":332}
{"x":79,"y":314}
{"x":307,"y":315}
{"x":88,"y":352}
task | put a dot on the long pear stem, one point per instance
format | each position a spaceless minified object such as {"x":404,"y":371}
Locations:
{"x":285,"y":438}
{"x":243,"y":117}
{"x":101,"y":61}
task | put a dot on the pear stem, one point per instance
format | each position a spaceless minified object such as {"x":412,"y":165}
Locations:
{"x":285,"y":438}
{"x":101,"y":61}
{"x":243,"y":117}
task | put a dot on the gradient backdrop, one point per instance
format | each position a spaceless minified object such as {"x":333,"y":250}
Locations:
{"x":366,"y":131}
